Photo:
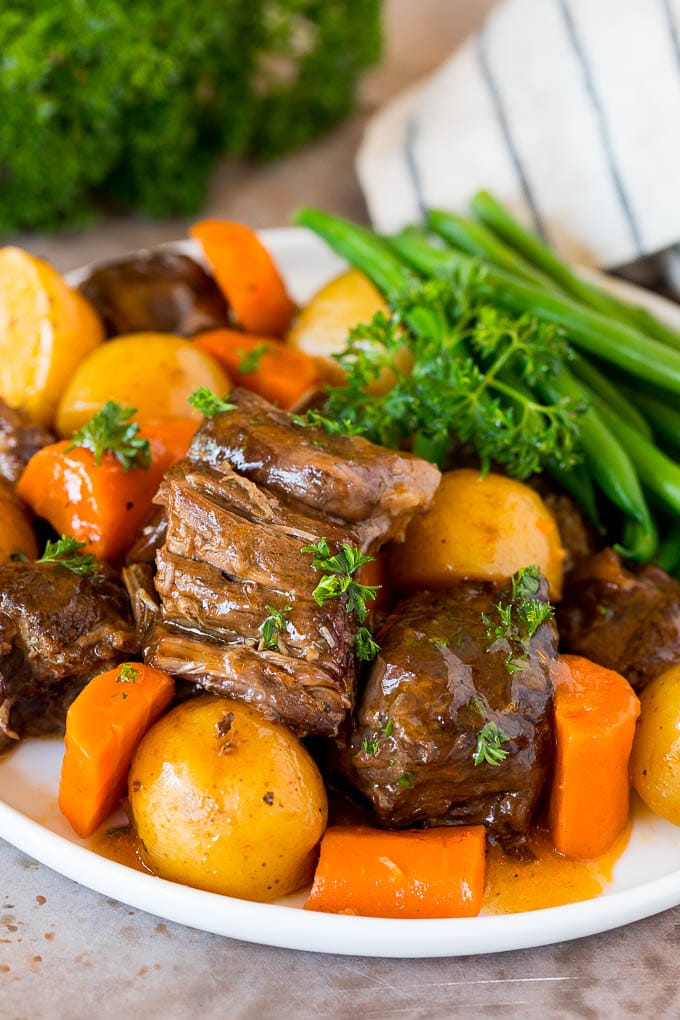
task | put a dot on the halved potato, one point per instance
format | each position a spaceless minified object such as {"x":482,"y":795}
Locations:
{"x":46,"y":329}
{"x":16,"y":533}
{"x":153,"y":372}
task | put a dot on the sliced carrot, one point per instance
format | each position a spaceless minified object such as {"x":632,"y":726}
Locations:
{"x":101,"y":504}
{"x":247,"y":275}
{"x":418,"y":873}
{"x":595,"y":714}
{"x":375,"y":574}
{"x":103,"y":727}
{"x":277,"y":372}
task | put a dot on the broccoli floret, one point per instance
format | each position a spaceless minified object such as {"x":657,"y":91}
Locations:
{"x":130,"y":104}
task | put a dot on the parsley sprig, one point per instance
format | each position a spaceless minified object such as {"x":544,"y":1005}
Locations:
{"x":111,"y":430}
{"x":314,"y":419}
{"x":520,"y":618}
{"x":338,"y":576}
{"x":250,"y":360}
{"x":66,"y":552}
{"x":474,"y":367}
{"x":489,"y":747}
{"x":274,"y":624}
{"x":365,"y":646}
{"x":208,"y":403}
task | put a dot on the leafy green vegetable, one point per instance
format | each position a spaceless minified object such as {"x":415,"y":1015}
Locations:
{"x":338,"y":578}
{"x":250,"y":362}
{"x":314,"y":419}
{"x":473,"y":366}
{"x":133,"y":102}
{"x":489,"y":741}
{"x":66,"y":552}
{"x":128,"y":674}
{"x":520,"y":618}
{"x":275,"y":623}
{"x":208,"y":403}
{"x":111,"y":430}
{"x":365,"y":647}
{"x":407,"y":780}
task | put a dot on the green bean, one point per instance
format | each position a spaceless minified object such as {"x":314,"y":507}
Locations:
{"x":609,"y":392}
{"x":579,"y":484}
{"x":665,"y":420}
{"x":668,"y":554}
{"x":604,"y":338}
{"x":476,"y":239}
{"x":639,"y":541}
{"x":497,"y":218}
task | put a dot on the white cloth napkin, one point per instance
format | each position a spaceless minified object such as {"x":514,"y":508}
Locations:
{"x":567,"y":110}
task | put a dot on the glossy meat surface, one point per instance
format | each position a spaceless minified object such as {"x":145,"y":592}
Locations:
{"x":19,"y":440}
{"x":159,"y":292}
{"x":431,"y":689}
{"x":627,"y":621}
{"x":57,"y":630}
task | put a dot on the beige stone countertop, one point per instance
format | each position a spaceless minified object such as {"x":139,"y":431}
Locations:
{"x":67,"y":952}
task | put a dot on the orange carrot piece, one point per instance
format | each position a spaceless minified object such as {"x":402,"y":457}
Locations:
{"x":281,"y":374}
{"x":101,"y":504}
{"x":595,"y":714}
{"x":375,"y":574}
{"x":418,"y":873}
{"x":247,"y":275}
{"x":103,"y":727}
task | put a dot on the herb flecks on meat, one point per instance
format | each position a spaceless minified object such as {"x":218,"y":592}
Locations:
{"x":338,"y":577}
{"x":67,"y":552}
{"x":519,"y":618}
{"x":274,"y":624}
{"x":489,"y":747}
{"x":111,"y":430}
{"x":208,"y":403}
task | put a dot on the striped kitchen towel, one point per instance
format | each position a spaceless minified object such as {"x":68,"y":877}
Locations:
{"x":567,"y":110}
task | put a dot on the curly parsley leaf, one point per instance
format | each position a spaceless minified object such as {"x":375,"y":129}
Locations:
{"x":111,"y":430}
{"x":66,"y":552}
{"x":314,"y":419}
{"x":250,"y":360}
{"x":274,"y":624}
{"x":128,"y":674}
{"x":365,"y":647}
{"x":208,"y":403}
{"x":520,"y":618}
{"x":338,"y":576}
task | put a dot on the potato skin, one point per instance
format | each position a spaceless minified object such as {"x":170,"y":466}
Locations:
{"x":478,"y":528}
{"x":227,"y":801}
{"x":655,"y":762}
{"x":322,"y":327}
{"x":16,"y":533}
{"x":46,"y":329}
{"x":153,"y":372}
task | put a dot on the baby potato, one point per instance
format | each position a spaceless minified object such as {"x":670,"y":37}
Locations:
{"x":479,"y":527}
{"x":227,"y":801}
{"x":322,"y":327}
{"x":46,"y":329}
{"x":154,"y":372}
{"x":16,"y":533}
{"x":655,"y":762}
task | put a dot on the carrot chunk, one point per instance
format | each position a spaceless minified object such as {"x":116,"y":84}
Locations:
{"x":101,"y":504}
{"x":279,"y":373}
{"x":103,"y":727}
{"x":419,"y":873}
{"x":595,"y":714}
{"x":247,"y":275}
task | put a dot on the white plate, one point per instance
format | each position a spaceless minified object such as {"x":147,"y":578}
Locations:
{"x":646,"y":878}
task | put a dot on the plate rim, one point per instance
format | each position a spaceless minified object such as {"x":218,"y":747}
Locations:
{"x":291,"y":927}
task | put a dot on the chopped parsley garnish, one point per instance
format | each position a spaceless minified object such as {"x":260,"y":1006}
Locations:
{"x":250,"y":361}
{"x":275,"y":623}
{"x":372,"y":745}
{"x":519,"y":619}
{"x":208,"y":403}
{"x":365,"y":647}
{"x":341,"y":427}
{"x":407,"y":779}
{"x":66,"y":552}
{"x":110,"y":430}
{"x":128,"y":674}
{"x":338,"y":576}
{"x":387,"y":728}
{"x":489,"y":745}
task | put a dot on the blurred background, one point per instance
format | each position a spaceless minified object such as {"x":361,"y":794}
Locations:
{"x":367,"y":53}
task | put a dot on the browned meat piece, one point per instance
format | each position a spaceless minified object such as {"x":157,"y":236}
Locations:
{"x":233,"y":553}
{"x":149,"y":539}
{"x":435,"y":683}
{"x":627,"y":621}
{"x":158,"y":292}
{"x":338,"y":476}
{"x":19,"y":440}
{"x":579,"y":538}
{"x":57,"y":630}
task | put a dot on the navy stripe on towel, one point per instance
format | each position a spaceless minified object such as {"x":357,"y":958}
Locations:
{"x":603,"y":126}
{"x":504,"y":125}
{"x":672,"y":27}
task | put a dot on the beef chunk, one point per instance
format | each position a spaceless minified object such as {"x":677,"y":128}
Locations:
{"x":254,"y":491}
{"x":626,"y":620}
{"x":19,"y":440}
{"x":158,"y":292}
{"x":435,"y":683}
{"x":57,"y":630}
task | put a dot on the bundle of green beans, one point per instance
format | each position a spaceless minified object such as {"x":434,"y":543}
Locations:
{"x":625,"y":370}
